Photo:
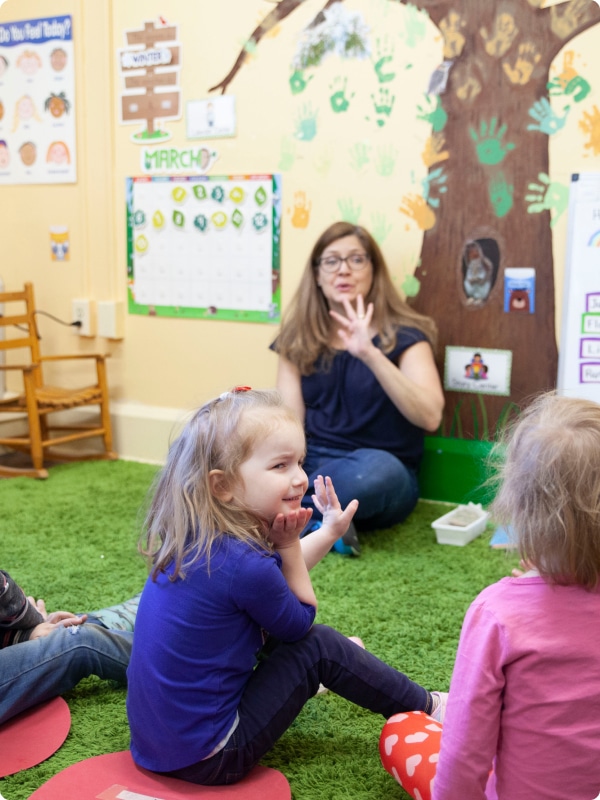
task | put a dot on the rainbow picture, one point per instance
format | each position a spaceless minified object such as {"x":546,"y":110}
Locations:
{"x":594,"y":240}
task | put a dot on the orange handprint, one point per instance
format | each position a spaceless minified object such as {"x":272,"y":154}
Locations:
{"x":527,"y":58}
{"x":415,"y":207}
{"x":302,"y":207}
{"x":434,"y":150}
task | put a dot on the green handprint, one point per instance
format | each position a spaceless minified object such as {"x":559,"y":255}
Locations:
{"x":383,"y":105}
{"x":577,"y":86}
{"x":338,"y":100}
{"x":322,"y":162}
{"x":359,"y":155}
{"x":501,"y":195}
{"x":415,"y":25}
{"x":348,"y":211}
{"x":488,"y":144}
{"x":306,"y":123}
{"x":380,"y":227}
{"x":287,"y":155}
{"x":297,"y":82}
{"x":547,"y":196}
{"x":435,"y":114}
{"x":384,"y":54}
{"x":411,"y":286}
{"x":385,"y":160}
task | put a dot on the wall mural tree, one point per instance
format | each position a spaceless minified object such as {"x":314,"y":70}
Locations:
{"x":491,"y":125}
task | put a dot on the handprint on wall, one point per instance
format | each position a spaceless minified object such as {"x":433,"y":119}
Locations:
{"x":547,"y":120}
{"x":503,"y":34}
{"x":302,"y":209}
{"x":488,"y":142}
{"x":590,"y":125}
{"x":547,"y":196}
{"x":415,"y":207}
{"x":520,"y":72}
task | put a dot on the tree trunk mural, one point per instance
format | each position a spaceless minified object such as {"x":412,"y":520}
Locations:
{"x":488,"y":171}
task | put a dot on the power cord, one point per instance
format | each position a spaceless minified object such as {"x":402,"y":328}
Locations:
{"x":76,"y":324}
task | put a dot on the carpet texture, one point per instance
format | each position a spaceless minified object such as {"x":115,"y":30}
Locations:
{"x":73,"y":541}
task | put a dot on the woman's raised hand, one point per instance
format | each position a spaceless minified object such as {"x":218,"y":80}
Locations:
{"x":355,"y":330}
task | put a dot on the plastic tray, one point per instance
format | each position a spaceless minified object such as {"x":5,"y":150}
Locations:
{"x":460,"y":535}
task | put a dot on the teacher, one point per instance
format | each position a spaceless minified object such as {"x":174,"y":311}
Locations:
{"x":356,"y":363}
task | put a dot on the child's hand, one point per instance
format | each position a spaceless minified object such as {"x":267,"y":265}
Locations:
{"x":285,"y":530}
{"x":326,"y":500}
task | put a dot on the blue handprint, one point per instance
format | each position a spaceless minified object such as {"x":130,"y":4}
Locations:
{"x":435,"y":181}
{"x":547,"y":121}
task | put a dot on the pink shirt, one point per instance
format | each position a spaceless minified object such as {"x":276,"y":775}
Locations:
{"x":525,"y":691}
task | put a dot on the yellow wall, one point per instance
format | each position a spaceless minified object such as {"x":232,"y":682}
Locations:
{"x":177,"y":363}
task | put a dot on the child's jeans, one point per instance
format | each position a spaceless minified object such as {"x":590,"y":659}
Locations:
{"x":283,"y":682}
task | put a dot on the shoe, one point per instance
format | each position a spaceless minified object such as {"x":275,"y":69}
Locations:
{"x":311,"y":527}
{"x":348,"y":544}
{"x":440,"y":701}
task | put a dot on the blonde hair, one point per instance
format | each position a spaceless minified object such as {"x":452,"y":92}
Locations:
{"x":185,"y":517}
{"x":306,"y":326}
{"x":550,"y":489}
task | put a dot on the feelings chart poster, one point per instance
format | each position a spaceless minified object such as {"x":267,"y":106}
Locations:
{"x":204,"y":246}
{"x":37,"y":101}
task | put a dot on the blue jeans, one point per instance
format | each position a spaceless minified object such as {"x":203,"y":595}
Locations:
{"x":34,"y":671}
{"x":386,"y":490}
{"x":282,"y":683}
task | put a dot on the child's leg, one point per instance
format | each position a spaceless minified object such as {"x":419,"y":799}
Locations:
{"x":117,"y":618}
{"x":281,"y":685}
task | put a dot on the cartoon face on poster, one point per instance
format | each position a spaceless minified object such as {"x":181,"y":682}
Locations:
{"x":37,"y":110}
{"x":477,"y":369}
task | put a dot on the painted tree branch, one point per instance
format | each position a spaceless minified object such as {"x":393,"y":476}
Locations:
{"x":279,"y":13}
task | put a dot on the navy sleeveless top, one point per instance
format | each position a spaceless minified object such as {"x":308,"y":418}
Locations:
{"x":347,"y":408}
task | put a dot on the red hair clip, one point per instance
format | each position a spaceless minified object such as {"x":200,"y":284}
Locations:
{"x":235,"y":390}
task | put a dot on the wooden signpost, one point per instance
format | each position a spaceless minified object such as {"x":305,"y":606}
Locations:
{"x":150,"y":64}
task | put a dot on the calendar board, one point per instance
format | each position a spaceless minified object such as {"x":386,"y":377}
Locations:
{"x":204,"y":246}
{"x":579,"y":354}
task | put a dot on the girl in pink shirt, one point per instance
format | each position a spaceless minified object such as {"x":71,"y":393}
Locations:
{"x":523,"y":716}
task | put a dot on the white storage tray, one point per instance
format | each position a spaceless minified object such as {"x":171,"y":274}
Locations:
{"x":447,"y":533}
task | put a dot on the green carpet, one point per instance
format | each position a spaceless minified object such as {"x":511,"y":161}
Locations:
{"x":72,"y":540}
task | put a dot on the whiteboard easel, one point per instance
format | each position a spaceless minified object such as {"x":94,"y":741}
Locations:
{"x":579,"y":352}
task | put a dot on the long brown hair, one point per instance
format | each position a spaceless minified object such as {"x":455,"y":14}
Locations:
{"x":306,"y":326}
{"x":549,"y":492}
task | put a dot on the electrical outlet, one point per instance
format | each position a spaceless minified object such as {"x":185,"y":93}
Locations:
{"x":83,"y":312}
{"x":111,"y":319}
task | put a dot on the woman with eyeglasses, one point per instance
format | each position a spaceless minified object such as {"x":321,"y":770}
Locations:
{"x":356,"y":363}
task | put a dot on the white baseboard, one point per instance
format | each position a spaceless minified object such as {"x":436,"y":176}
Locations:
{"x":140,"y":432}
{"x":145,"y":433}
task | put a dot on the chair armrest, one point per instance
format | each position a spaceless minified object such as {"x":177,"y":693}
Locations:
{"x":20,"y":367}
{"x":74,"y":356}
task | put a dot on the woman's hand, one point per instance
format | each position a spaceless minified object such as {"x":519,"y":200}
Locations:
{"x":355,"y":331}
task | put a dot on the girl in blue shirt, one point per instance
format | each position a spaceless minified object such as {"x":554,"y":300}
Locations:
{"x":229,"y":571}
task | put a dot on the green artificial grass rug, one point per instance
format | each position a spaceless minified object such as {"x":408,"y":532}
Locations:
{"x":72,"y":540}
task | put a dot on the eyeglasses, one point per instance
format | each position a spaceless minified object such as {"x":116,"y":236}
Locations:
{"x":355,"y":261}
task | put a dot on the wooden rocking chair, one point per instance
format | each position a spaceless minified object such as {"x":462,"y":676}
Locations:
{"x":39,"y":400}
